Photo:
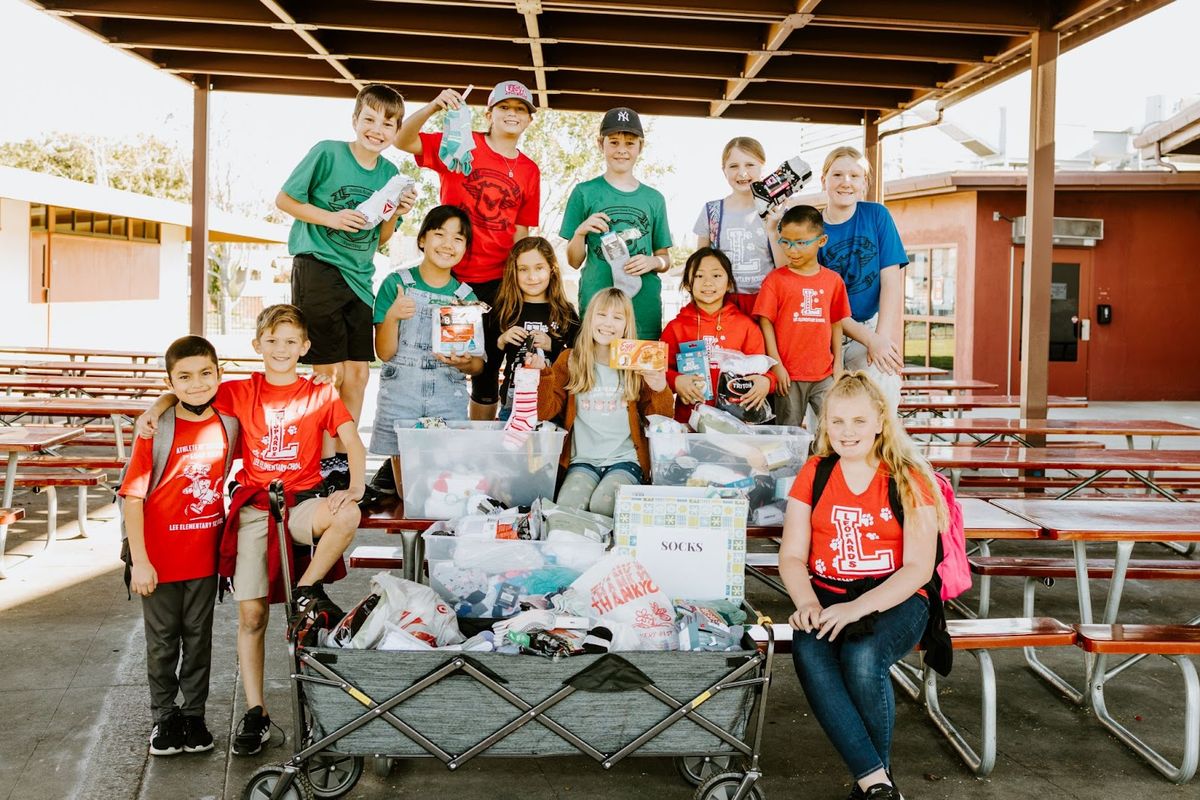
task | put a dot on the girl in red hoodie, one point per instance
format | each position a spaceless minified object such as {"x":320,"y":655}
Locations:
{"x":711,"y":317}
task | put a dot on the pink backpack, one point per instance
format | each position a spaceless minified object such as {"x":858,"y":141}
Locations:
{"x":953,"y":571}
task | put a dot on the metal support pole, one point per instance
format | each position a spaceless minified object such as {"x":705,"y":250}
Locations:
{"x":199,"y":260}
{"x":1039,"y":212}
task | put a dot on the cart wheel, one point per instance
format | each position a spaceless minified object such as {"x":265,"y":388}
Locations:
{"x":262,"y":784}
{"x":697,"y":769}
{"x":381,"y":766}
{"x":725,"y":786}
{"x":332,"y":774}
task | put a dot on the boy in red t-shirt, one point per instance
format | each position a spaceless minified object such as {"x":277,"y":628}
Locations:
{"x":800,"y":309}
{"x":502,"y":196}
{"x":282,"y":417}
{"x":173,"y":513}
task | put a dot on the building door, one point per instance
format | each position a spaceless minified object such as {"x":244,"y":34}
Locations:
{"x":1070,"y":323}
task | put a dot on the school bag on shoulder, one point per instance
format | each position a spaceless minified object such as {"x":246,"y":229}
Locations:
{"x":164,"y":437}
{"x":714,"y":210}
{"x":953,"y":572}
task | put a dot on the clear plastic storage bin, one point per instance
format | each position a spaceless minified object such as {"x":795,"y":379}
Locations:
{"x":486,"y":577}
{"x":762,"y":465}
{"x":442,"y":467}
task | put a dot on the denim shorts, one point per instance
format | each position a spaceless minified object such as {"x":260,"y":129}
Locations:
{"x":632,"y":467}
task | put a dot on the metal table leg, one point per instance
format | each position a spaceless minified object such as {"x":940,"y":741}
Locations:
{"x":10,"y":479}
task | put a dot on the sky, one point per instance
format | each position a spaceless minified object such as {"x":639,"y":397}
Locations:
{"x":90,"y":88}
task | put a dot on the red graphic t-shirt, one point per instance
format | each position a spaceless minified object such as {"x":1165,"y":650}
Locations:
{"x":802,"y":309}
{"x":853,"y":535}
{"x":281,"y":428}
{"x":499,"y":194}
{"x":184,"y":513}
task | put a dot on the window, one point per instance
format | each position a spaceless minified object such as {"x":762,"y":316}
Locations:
{"x":930,"y":284}
{"x":88,"y":223}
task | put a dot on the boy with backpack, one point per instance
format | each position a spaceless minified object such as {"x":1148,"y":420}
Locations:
{"x":173,"y":512}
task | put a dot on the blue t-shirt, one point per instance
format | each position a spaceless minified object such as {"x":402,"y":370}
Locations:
{"x":858,"y":250}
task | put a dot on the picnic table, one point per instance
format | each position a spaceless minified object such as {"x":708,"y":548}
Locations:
{"x":122,"y":367}
{"x":13,"y":409}
{"x":1138,"y":464}
{"x":15,"y":441}
{"x":987,"y":430}
{"x":84,"y":354}
{"x":950,"y":385}
{"x":940,"y":404}
{"x":913,"y":371}
{"x":91,"y":385}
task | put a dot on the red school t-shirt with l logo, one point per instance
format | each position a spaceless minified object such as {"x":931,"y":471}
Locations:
{"x":853,"y":535}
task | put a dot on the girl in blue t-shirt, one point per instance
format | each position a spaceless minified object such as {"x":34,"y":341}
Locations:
{"x":864,"y":247}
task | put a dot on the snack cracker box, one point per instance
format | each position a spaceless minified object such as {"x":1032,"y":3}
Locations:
{"x":458,"y":330}
{"x":637,"y":354}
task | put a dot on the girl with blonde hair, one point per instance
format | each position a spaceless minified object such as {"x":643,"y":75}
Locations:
{"x":864,"y":247}
{"x":858,"y":563}
{"x":603,"y":409}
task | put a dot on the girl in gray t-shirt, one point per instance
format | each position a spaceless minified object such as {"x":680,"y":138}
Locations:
{"x":733,"y":226}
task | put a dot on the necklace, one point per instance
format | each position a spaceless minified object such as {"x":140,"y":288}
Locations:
{"x":719,"y":328}
{"x":510,"y":164}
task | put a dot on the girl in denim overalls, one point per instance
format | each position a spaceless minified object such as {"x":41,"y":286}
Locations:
{"x":415,"y":382}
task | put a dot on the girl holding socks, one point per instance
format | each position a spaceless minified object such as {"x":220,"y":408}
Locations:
{"x":603,"y":409}
{"x":714,"y":318}
{"x":532,"y":312}
{"x":733,"y":226}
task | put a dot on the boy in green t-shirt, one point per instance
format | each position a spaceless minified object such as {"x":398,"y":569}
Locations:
{"x":333,"y":249}
{"x":619,"y":203}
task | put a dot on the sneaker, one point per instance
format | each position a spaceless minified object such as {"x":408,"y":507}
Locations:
{"x":197,"y":739}
{"x":384,"y":480}
{"x":253,"y":732}
{"x":167,"y":738}
{"x":882,"y":791}
{"x":337,"y":481}
{"x":314,"y":611}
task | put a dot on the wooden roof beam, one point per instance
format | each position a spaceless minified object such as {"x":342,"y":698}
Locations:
{"x":530,"y":9}
{"x":304,"y":32}
{"x":233,"y":12}
{"x":764,"y":11}
{"x":975,"y":16}
{"x":777,"y":34}
{"x":855,"y":72}
{"x":156,"y":35}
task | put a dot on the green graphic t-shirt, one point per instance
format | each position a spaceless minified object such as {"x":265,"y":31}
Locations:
{"x":643,"y":208}
{"x":331,"y":178}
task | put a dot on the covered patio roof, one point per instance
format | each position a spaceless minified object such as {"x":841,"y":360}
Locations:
{"x":819,"y":61}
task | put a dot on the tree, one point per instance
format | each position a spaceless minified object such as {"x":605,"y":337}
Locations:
{"x":146,"y":165}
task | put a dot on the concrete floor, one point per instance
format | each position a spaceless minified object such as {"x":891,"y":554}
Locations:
{"x":74,"y":712}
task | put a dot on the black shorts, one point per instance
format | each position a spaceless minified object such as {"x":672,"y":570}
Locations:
{"x":485,"y":387}
{"x":339,"y":322}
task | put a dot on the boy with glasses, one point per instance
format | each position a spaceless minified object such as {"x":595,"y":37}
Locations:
{"x":800,"y":309}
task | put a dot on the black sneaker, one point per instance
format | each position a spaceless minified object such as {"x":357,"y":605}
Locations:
{"x":197,"y":739}
{"x":882,"y":791}
{"x":384,"y":480}
{"x":167,"y":738}
{"x":253,"y":732}
{"x":314,"y":611}
{"x":337,"y":481}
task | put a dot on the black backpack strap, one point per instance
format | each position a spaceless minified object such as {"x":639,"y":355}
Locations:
{"x":894,"y":500}
{"x":824,"y":469}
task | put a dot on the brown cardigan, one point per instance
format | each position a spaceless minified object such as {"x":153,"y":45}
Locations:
{"x":553,"y":398}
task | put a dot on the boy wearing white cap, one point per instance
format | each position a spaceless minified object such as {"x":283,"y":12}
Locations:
{"x":501,"y":195}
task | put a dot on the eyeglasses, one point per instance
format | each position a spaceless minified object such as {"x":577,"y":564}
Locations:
{"x":788,"y":244}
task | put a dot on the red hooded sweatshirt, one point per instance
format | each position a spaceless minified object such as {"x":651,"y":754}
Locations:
{"x":729,"y":328}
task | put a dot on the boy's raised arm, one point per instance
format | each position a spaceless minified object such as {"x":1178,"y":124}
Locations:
{"x":146,"y":425}
{"x":348,"y":219}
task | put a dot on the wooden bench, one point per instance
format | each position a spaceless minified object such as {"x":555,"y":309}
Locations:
{"x":978,"y":637}
{"x":1176,"y":643}
{"x":70,"y":462}
{"x":8,"y":516}
{"x":48,"y":481}
{"x":967,"y":482}
{"x":1078,"y":445}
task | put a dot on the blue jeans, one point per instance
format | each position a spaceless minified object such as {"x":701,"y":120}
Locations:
{"x":593,"y":488}
{"x":848,"y":686}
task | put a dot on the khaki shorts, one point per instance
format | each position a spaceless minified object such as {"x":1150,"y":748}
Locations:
{"x":250,"y":576}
